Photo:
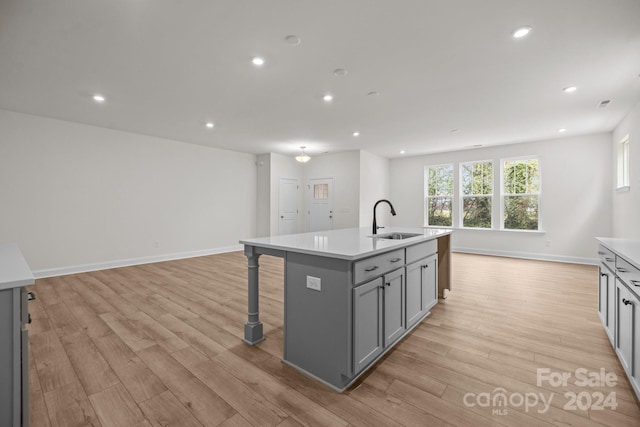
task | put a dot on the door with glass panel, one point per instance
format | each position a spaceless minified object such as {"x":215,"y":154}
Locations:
{"x":320,"y":204}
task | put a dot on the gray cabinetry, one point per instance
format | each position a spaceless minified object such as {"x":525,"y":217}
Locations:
{"x":14,"y":350}
{"x":606,"y":299}
{"x":421,"y":289}
{"x":367,"y":323}
{"x":619,"y":302}
{"x":626,"y":308}
{"x":394,"y":321}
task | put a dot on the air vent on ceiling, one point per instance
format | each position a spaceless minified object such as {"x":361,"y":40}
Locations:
{"x":604,"y":103}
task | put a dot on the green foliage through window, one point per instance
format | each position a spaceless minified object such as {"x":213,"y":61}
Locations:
{"x":521,"y":191}
{"x":477,"y":192}
{"x":439,"y":195}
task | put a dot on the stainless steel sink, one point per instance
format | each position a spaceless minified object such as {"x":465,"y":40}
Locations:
{"x":396,"y":236}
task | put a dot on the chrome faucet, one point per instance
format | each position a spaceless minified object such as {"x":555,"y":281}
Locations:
{"x":375,"y":224}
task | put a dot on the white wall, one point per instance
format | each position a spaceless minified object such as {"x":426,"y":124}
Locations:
{"x":74,"y":194}
{"x":575,"y":206}
{"x":626,"y":205}
{"x":263,"y":208}
{"x":374,"y":185}
{"x":344,"y":168}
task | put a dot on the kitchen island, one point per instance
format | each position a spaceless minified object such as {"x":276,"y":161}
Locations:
{"x":349,"y":296}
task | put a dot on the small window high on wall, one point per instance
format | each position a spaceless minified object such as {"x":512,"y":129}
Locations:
{"x":623,"y":164}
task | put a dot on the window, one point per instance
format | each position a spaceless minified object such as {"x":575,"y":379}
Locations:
{"x":320,"y":191}
{"x":476,"y":182}
{"x":521,"y":194}
{"x":623,"y":163}
{"x":439,"y":195}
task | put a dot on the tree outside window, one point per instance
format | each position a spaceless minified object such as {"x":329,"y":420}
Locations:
{"x":521,"y":194}
{"x":439,"y":195}
{"x":477,"y":193}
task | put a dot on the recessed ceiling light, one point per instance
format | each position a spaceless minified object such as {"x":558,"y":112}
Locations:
{"x":402,"y":151}
{"x":356,"y":133}
{"x":98,"y":98}
{"x":209,"y":125}
{"x":521,"y":32}
{"x":340,"y":72}
{"x":373,"y":93}
{"x":570,"y":89}
{"x":292,"y":39}
{"x":562,"y":130}
{"x":328,"y":97}
{"x":257,"y":61}
{"x":454,"y":130}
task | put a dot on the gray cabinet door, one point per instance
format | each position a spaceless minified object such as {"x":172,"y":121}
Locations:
{"x":394,"y":321}
{"x":625,"y":303}
{"x":603,"y":287}
{"x":414,"y":307}
{"x":430,"y":282}
{"x":367,"y":323}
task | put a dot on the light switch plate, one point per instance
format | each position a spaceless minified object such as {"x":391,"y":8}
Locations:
{"x":314,"y":283}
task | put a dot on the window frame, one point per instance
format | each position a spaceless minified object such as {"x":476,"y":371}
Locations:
{"x":504,"y":194}
{"x":426,"y":197}
{"x":623,"y":165}
{"x":461,"y":194}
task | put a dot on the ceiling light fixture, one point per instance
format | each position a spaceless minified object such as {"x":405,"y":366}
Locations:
{"x":570,"y":89}
{"x":210,"y":125}
{"x":302,"y":157}
{"x":328,"y":97}
{"x":340,"y":72}
{"x":356,"y":133}
{"x":98,"y":98}
{"x":402,"y":151}
{"x":562,"y":130}
{"x":373,"y":93}
{"x":521,"y":32}
{"x":257,"y":61}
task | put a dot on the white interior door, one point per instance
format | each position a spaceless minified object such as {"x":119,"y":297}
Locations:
{"x":320,"y":204}
{"x":288,"y":206}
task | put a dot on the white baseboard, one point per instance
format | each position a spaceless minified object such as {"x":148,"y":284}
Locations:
{"x":61,"y":271}
{"x":527,"y":255}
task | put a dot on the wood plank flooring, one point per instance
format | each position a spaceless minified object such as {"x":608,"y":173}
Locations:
{"x":159,"y":345}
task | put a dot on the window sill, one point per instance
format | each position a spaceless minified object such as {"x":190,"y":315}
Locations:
{"x":624,"y":189}
{"x":487,"y":229}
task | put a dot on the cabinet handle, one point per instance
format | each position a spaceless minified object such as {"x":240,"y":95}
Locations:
{"x":635,"y":283}
{"x":388,"y":283}
{"x":425,"y":266}
{"x":603,"y":274}
{"x":609,"y":259}
{"x":601,"y":253}
{"x":396,"y":259}
{"x":626,"y":301}
{"x":29,"y":318}
{"x":622,"y":270}
{"x":375,"y":267}
{"x":31,"y":296}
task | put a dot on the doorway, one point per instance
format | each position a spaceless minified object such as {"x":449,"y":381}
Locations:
{"x":288,"y":206}
{"x":320,"y":204}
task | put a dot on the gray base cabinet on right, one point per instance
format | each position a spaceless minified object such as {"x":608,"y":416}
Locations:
{"x":619,"y":308}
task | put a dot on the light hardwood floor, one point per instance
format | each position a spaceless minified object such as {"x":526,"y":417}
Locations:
{"x":159,"y":344}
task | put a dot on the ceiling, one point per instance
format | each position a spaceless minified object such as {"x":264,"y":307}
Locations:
{"x":167,"y":67}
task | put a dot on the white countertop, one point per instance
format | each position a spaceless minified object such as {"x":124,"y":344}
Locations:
{"x":347,"y":243}
{"x":629,"y":249}
{"x":14,"y":271}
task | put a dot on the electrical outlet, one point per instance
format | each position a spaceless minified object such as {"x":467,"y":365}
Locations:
{"x":313,"y":283}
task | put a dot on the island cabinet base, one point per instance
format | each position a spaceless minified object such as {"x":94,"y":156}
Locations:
{"x":341,"y":316}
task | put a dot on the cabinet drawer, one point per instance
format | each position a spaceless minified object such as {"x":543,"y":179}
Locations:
{"x":628,"y":274}
{"x":421,"y":250}
{"x":377,"y":265}
{"x":607,"y":257}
